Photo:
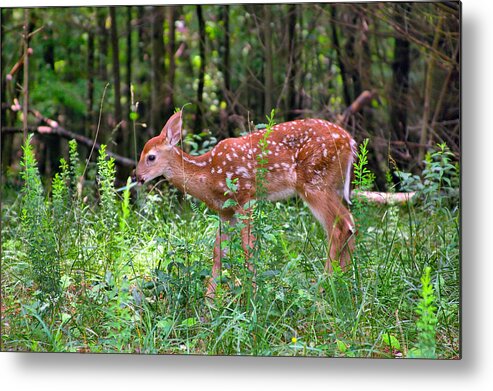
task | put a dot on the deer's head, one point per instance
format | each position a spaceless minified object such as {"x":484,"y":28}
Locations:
{"x":159,"y":153}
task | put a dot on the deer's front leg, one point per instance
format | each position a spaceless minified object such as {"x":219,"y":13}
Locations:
{"x":216,"y":266}
{"x":219,"y":254}
{"x":248,"y":243}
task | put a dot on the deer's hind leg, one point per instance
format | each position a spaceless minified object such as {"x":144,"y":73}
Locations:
{"x":337,"y":221}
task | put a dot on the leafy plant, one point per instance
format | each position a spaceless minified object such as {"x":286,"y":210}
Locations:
{"x":427,"y":321}
{"x":37,"y":225}
{"x":363,"y":177}
{"x":440,"y":181}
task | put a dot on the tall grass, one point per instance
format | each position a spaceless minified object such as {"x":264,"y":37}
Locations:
{"x":92,"y":270}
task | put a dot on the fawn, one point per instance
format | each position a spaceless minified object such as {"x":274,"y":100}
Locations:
{"x":309,"y":157}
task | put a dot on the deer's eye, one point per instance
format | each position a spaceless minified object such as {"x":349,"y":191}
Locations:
{"x":151,"y":158}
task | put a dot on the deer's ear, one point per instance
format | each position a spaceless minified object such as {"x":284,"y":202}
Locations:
{"x":172,"y":129}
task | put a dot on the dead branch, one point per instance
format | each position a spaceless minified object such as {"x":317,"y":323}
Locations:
{"x":67,"y":134}
{"x":384,"y":198}
{"x":363,"y":99}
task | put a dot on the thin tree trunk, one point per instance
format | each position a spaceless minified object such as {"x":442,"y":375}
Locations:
{"x":200,"y":89}
{"x":340,"y":61}
{"x":5,"y":142}
{"x":428,"y":90}
{"x":268,"y":65}
{"x":49,"y":49}
{"x":25,"y":82}
{"x":169,"y":102}
{"x":157,"y":68}
{"x":293,"y":49}
{"x":103,"y":44}
{"x":226,"y":55}
{"x":116,"y":67}
{"x":351,"y":58}
{"x":128,"y":81}
{"x":140,"y":32}
{"x":90,"y":84}
{"x":400,"y":79}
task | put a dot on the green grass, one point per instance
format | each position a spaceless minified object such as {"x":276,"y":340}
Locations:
{"x":130,"y":273}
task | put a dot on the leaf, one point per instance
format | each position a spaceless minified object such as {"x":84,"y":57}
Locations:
{"x":391,"y":341}
{"x":189,"y":322}
{"x":65,"y":317}
{"x":341,"y":346}
{"x":165,"y":325}
{"x":229,"y":203}
{"x":249,"y":204}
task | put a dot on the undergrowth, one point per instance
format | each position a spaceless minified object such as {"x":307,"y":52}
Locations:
{"x":101,"y":271}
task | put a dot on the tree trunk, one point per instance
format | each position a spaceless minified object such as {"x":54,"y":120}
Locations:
{"x":140,"y":32}
{"x":226,"y":55}
{"x":90,"y":126}
{"x":351,"y":58}
{"x":128,"y":81}
{"x":169,"y":101}
{"x":293,"y":62}
{"x":200,"y":90}
{"x":25,"y":82}
{"x":268,"y":64}
{"x":400,"y":79}
{"x":5,"y":142}
{"x":340,"y":61}
{"x":428,"y":91}
{"x":116,"y":69}
{"x":49,"y":49}
{"x":157,"y":69}
{"x":224,"y":51}
{"x":103,"y":44}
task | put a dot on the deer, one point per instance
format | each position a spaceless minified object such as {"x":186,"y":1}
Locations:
{"x":311,"y":158}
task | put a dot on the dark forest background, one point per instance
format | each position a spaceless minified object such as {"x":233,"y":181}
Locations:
{"x":128,"y":68}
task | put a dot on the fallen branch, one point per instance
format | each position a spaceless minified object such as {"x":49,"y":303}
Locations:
{"x":62,"y":132}
{"x":54,"y":128}
{"x":384,"y":198}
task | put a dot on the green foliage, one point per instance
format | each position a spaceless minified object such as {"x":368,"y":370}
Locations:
{"x":262,"y":157}
{"x":61,"y":94}
{"x":37,"y":224}
{"x":439,"y":185}
{"x":75,"y":168}
{"x":106,"y":180}
{"x":363,"y":177}
{"x":427,"y":321}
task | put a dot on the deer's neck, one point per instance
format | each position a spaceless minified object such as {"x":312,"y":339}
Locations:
{"x":188,"y":173}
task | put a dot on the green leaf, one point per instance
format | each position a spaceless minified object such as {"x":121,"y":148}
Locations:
{"x":341,"y":346}
{"x":391,"y":341}
{"x":229,"y":203}
{"x":189,"y":322}
{"x":165,"y":325}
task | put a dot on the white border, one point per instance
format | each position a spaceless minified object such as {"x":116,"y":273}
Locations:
{"x":473,"y":372}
